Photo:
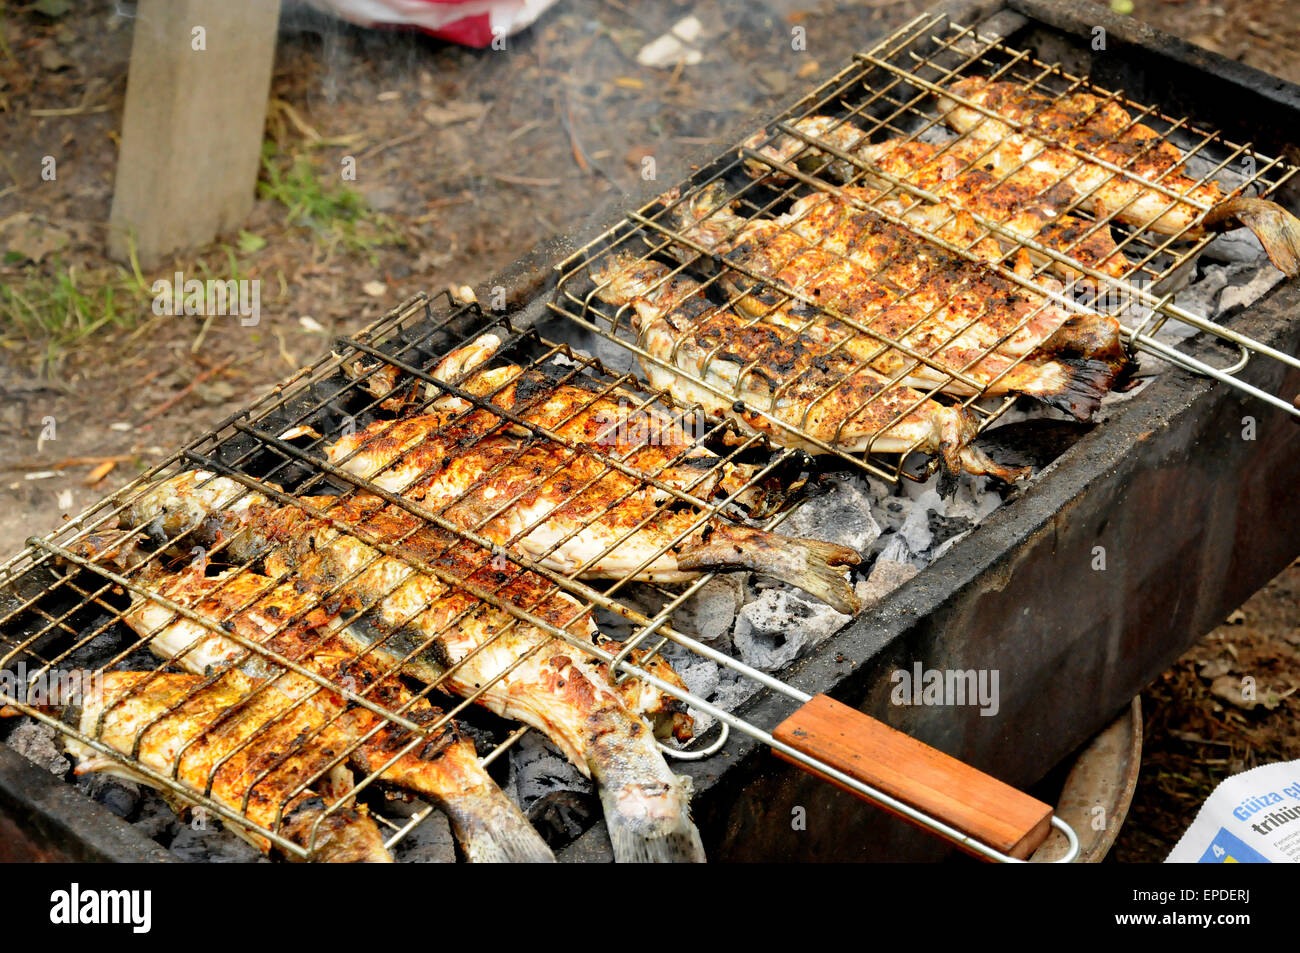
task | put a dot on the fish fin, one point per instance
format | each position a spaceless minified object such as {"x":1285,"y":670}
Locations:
{"x":956,"y":458}
{"x":492,"y":830}
{"x":1082,"y":387}
{"x":809,"y":564}
{"x":639,"y":835}
{"x":1276,"y":228}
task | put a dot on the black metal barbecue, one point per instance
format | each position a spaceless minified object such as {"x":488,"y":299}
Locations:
{"x":1189,"y":515}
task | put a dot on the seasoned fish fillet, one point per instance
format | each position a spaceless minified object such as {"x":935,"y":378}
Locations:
{"x":1153,"y":191}
{"x":962,"y":175}
{"x":242,"y":744}
{"x":443,"y":767}
{"x":888,"y":280}
{"x":793,"y":376}
{"x":566,"y":507}
{"x":442,"y":634}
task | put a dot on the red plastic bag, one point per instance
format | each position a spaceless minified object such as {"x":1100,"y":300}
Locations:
{"x":469,"y":22}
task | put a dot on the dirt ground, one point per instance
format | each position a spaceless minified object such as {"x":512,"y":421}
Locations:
{"x":465,"y":160}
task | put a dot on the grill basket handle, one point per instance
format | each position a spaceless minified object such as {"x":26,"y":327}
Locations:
{"x":938,"y":786}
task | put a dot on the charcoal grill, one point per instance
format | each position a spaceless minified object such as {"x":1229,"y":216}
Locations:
{"x":1026,"y":563}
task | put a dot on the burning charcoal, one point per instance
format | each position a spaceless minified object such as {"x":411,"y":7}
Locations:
{"x":429,"y":842}
{"x":210,"y":842}
{"x":1035,"y":442}
{"x":733,"y":689}
{"x":886,"y":576}
{"x":841,"y":515}
{"x":709,"y":613}
{"x":120,"y":796}
{"x":699,"y":673}
{"x":156,"y":820}
{"x":780,"y":625}
{"x":947,"y":529}
{"x":551,"y":791}
{"x":38,"y":743}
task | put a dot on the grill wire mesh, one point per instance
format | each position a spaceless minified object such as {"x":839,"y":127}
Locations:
{"x":891,"y":94}
{"x":58,"y":607}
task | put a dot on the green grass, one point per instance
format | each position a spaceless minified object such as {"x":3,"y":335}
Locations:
{"x":338,"y":215}
{"x":55,"y":307}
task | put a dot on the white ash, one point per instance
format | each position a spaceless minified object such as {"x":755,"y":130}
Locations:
{"x":886,"y":576}
{"x":709,"y":613}
{"x":781,"y":625}
{"x":841,"y":513}
{"x":552,"y":793}
{"x":39,"y":744}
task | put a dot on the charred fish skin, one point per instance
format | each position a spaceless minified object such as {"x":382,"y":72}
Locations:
{"x":836,"y":250}
{"x":444,"y":768}
{"x":174,"y":713}
{"x":762,"y":366}
{"x":442,"y":634}
{"x":527,"y":676}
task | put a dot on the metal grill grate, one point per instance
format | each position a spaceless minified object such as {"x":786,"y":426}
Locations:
{"x":875,"y":139}
{"x":295,"y":453}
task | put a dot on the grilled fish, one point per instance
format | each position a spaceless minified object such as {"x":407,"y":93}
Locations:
{"x":836,"y":251}
{"x":212,"y":510}
{"x":567,"y":507}
{"x":770,"y":368}
{"x":1054,"y":139}
{"x":444,"y":635}
{"x":220,"y":733}
{"x":963,"y":176}
{"x":443,"y":767}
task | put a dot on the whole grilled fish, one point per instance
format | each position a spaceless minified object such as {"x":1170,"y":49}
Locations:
{"x":1152,"y":191}
{"x":962,"y":175}
{"x":566,"y":506}
{"x":770,"y":368}
{"x":288,"y":621}
{"x":442,"y":634}
{"x":837,"y":251}
{"x":222,"y":738}
{"x":211,"y":510}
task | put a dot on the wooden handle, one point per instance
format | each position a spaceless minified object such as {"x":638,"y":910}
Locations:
{"x":922,"y":777}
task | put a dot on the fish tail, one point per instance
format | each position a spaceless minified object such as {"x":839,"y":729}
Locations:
{"x":707,"y":218}
{"x":1078,"y":388}
{"x":491,"y":829}
{"x":445,"y":768}
{"x":1276,"y":228}
{"x":646,"y":806}
{"x":813,"y":566}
